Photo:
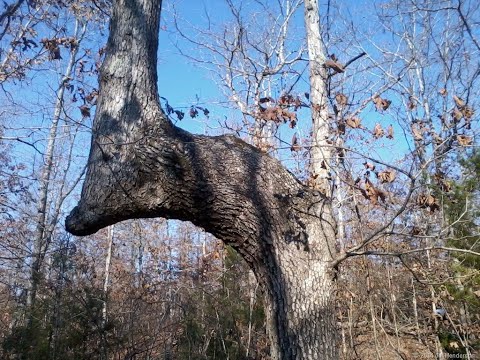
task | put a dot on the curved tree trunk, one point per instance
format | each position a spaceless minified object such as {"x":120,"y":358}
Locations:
{"x":141,"y":165}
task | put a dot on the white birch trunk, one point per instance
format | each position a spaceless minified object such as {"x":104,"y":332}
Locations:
{"x":43,"y":231}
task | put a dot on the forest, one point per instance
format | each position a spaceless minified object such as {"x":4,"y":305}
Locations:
{"x":228,"y":179}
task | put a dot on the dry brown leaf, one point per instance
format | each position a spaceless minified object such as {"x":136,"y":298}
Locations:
{"x":416,"y":231}
{"x":335,"y":66}
{"x":297,"y":103}
{"x":53,"y":49}
{"x":457,"y":115}
{"x":288,"y":116}
{"x":266,"y":99}
{"x":464,"y":140}
{"x":295,"y":145}
{"x":193,"y":112}
{"x":417,"y":132}
{"x":372,"y":193}
{"x":381,"y":104}
{"x":390,"y":132}
{"x":438,"y":140}
{"x":341,"y":99}
{"x":428,"y":201}
{"x":369,"y":166}
{"x":468,"y":112}
{"x":386,"y":176}
{"x":354,"y":123}
{"x":445,"y":185}
{"x":286,"y":99}
{"x":443,"y":92}
{"x":92,"y":97}
{"x":458,"y":101}
{"x":412,"y":104}
{"x":378,"y":131}
{"x":85,"y":110}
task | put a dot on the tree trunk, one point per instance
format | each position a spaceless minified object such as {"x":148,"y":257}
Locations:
{"x":320,"y":155}
{"x":44,"y":230}
{"x":106,"y":282}
{"x":141,"y":165}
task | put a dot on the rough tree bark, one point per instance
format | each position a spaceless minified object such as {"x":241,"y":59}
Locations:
{"x":141,"y":165}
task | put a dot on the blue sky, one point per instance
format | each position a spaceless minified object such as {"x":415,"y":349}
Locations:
{"x":180,"y":81}
{"x":184,"y":83}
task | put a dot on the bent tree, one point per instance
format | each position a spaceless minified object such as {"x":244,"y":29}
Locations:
{"x":142,"y":166}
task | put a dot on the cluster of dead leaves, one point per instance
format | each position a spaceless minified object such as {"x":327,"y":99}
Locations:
{"x":53,"y":46}
{"x":418,"y":130}
{"x":461,"y":110}
{"x":464,"y":140}
{"x":277,"y":114}
{"x":370,"y":191}
{"x":351,"y":122}
{"x":193,"y":112}
{"x":90,"y":97}
{"x":89,"y":100}
{"x":354,"y":123}
{"x":386,"y":176}
{"x":444,"y":184}
{"x":373,"y":193}
{"x":287,"y":100}
{"x":25,"y":42}
{"x":378,"y":131}
{"x":279,"y":111}
{"x":428,"y":201}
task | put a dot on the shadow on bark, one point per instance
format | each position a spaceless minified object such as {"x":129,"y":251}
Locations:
{"x":142,"y":166}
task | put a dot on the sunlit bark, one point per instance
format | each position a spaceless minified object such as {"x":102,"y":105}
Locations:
{"x":140,"y":165}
